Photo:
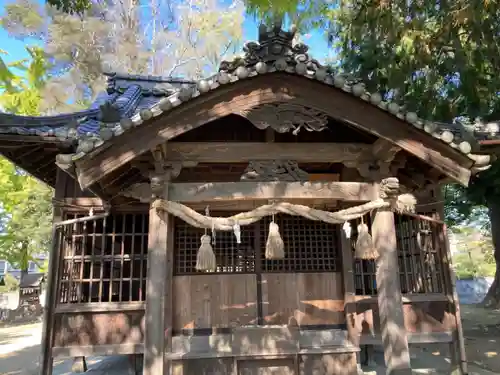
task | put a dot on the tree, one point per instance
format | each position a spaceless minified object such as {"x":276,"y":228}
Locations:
{"x":474,"y":255}
{"x":440,"y":59}
{"x":21,"y":93}
{"x":25,"y":203}
{"x":161,"y":37}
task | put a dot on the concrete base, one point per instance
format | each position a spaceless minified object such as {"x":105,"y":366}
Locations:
{"x":79,"y":365}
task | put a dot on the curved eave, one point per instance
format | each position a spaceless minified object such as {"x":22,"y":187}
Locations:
{"x":34,"y":154}
{"x":238,"y":93}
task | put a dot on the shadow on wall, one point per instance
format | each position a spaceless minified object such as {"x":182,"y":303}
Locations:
{"x":472,"y":291}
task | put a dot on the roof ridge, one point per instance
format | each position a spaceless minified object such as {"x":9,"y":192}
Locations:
{"x":147,"y":78}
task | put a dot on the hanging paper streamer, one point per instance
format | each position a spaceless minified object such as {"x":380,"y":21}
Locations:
{"x":275,"y":248}
{"x":205,"y":259}
{"x":237,"y":232}
{"x":364,"y":248}
{"x":347,"y":229}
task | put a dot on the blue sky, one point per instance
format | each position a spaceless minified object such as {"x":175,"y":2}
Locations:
{"x":16,"y":48}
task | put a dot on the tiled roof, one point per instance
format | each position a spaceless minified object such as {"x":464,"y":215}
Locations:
{"x":30,"y":280}
{"x":125,"y":96}
{"x":131,"y":100}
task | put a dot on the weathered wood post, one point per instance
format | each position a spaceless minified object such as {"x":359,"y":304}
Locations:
{"x":154,"y":341}
{"x":52,"y":281}
{"x":394,"y":337}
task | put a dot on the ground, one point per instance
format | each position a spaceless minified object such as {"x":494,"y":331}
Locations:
{"x":482,"y":337}
{"x":20,"y":349}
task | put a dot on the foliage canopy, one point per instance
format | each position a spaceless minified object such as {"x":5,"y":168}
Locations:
{"x":25,"y":203}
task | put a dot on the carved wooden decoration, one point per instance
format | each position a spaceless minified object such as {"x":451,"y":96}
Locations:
{"x":285,"y":117}
{"x":380,"y":161}
{"x":274,"y":170}
{"x":161,"y":172}
{"x":140,"y":191}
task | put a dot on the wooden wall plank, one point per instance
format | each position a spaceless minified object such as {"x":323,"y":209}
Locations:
{"x":208,"y":366}
{"x":285,"y":366}
{"x":206,"y":301}
{"x":304,"y":298}
{"x":94,"y":329}
{"x":329,"y":364}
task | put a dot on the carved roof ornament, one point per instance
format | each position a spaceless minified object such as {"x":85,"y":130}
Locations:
{"x":285,"y":117}
{"x":109,"y":112}
{"x":274,"y":45}
{"x":274,"y":170}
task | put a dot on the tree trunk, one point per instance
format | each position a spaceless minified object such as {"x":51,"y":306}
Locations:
{"x":492,"y":298}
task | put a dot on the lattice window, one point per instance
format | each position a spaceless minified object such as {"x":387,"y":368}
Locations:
{"x":310,"y":246}
{"x":419,"y":253}
{"x":420,"y":264}
{"x":231,"y":257}
{"x":104,"y":260}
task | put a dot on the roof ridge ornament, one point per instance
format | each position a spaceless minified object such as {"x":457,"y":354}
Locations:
{"x":276,"y":46}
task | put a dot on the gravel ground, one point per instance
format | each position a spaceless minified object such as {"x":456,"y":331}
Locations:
{"x":20,"y":350}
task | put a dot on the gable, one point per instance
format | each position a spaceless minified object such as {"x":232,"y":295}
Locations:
{"x":246,"y":98}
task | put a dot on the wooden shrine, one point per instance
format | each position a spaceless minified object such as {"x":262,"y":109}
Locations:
{"x":274,"y":217}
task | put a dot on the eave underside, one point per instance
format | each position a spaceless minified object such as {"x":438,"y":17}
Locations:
{"x":35,"y":155}
{"x":221,"y":150}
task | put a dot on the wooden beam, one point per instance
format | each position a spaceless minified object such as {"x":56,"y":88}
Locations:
{"x":29,"y":138}
{"x":154,"y":339}
{"x":229,"y":191}
{"x":91,"y":350}
{"x":237,"y":152}
{"x":394,"y":336}
{"x":100,"y":307}
{"x":242,"y":97}
{"x":413,"y":338}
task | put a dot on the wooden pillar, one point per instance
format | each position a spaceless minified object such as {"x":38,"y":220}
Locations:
{"x":50,"y":301}
{"x":394,"y":337}
{"x":154,"y":341}
{"x":457,"y":346}
{"x":52,"y":281}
